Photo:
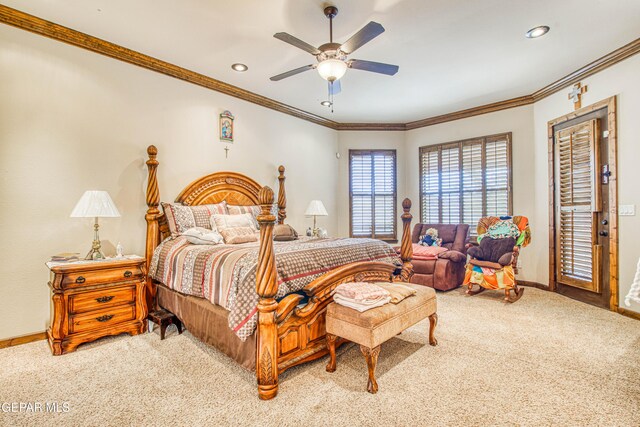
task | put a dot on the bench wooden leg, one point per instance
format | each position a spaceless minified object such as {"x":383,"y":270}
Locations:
{"x":371,"y":355}
{"x":331,"y":345}
{"x":433,"y":321}
{"x":178,"y":324}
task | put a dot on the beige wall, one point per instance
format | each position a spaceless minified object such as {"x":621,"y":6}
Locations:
{"x":356,"y":140}
{"x":621,"y":80}
{"x":71,"y":120}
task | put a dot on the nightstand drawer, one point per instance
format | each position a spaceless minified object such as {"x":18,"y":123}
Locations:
{"x":99,"y":319}
{"x":102,"y":298}
{"x":96,"y":277}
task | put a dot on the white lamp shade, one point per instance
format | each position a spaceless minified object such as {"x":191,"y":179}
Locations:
{"x":316,"y":208}
{"x":95,"y":204}
{"x":332,"y":69}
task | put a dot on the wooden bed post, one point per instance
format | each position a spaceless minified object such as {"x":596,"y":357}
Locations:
{"x":282,"y":197}
{"x":406,"y":248}
{"x":153,"y":232}
{"x":267,"y":286}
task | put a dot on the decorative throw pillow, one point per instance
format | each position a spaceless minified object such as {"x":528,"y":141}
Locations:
{"x":224,"y":222}
{"x":236,"y":235}
{"x":203,"y":236}
{"x":181,"y":218}
{"x":239,"y":210}
{"x":284,"y":233}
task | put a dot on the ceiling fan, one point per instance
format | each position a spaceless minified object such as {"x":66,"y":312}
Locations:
{"x":332,"y":57}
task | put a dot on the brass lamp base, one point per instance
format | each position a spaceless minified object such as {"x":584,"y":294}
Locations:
{"x":96,"y":252}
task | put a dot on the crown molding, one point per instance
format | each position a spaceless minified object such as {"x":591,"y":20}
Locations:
{"x":470,"y":112}
{"x":57,"y":32}
{"x":598,"y":65}
{"x":373,"y":126}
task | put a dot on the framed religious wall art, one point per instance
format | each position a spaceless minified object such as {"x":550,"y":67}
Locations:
{"x":226,"y":126}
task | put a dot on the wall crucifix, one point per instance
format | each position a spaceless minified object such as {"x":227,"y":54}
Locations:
{"x":576,"y":95}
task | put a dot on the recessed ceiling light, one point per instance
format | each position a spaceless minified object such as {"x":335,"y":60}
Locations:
{"x":537,"y":32}
{"x":325,"y":104}
{"x":239,"y":67}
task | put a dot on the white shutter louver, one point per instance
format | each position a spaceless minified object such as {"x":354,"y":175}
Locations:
{"x":463,"y":181}
{"x":430,"y":185}
{"x":373,"y":193}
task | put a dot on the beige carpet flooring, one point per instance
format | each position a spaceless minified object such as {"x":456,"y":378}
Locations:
{"x":545,"y":360}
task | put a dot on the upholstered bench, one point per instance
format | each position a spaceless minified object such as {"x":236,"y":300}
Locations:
{"x":371,"y":328}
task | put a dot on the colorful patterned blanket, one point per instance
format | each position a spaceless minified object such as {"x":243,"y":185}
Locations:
{"x":226,"y":274}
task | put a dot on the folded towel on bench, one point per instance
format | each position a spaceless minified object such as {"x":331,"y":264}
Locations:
{"x":360,"y":291}
{"x":361,"y":305}
{"x":397,"y":291}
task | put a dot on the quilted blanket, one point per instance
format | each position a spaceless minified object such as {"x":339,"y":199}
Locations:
{"x":226,"y":274}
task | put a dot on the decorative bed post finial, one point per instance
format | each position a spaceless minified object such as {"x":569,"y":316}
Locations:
{"x":282,"y":196}
{"x":266,"y":287}
{"x":153,"y":231}
{"x":406,"y":248}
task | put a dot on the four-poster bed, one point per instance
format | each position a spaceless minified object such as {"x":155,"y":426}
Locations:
{"x":290,"y":330}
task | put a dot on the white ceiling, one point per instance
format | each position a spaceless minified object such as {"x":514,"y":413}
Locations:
{"x":453,"y":54}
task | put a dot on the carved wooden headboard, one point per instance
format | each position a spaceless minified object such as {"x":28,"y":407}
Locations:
{"x":232,"y":187}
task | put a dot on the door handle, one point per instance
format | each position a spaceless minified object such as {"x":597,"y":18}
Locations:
{"x":603,"y":233}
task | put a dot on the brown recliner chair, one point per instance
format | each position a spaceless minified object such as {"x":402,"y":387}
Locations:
{"x":446,"y":272}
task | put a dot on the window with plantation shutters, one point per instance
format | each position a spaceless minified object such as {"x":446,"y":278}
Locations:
{"x":372,"y":182}
{"x":462,"y":181}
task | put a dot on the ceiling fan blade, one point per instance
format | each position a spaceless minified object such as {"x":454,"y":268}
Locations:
{"x":335,"y":87}
{"x":376,"y":67}
{"x":292,"y":72}
{"x":288,"y":38}
{"x":366,"y":34}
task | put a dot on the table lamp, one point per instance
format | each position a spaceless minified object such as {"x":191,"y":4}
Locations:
{"x":95,"y":204}
{"x":315,"y":209}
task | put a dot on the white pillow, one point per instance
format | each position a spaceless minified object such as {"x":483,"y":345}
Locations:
{"x":202,"y":236}
{"x":223,"y":222}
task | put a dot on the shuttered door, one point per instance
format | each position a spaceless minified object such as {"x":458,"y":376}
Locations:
{"x":372,"y":176}
{"x":577,"y":201}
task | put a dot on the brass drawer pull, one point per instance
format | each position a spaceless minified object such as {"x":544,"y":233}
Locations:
{"x":80,"y":279}
{"x":127,"y":273}
{"x":104,"y":318}
{"x":105,"y":299}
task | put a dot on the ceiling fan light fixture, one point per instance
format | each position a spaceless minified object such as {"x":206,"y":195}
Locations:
{"x":536,"y":32}
{"x":332,"y":69}
{"x":326,"y":103}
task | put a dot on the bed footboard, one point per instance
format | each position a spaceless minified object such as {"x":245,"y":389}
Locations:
{"x":289,"y":335}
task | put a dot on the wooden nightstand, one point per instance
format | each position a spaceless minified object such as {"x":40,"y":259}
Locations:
{"x":93,"y":299}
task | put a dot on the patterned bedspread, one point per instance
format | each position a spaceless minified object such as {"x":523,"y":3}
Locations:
{"x":226,"y":274}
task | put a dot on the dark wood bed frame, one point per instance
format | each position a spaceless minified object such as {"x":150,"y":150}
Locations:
{"x":286,"y":335}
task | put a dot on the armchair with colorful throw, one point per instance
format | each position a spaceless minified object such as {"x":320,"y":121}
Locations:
{"x":493,"y":262}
